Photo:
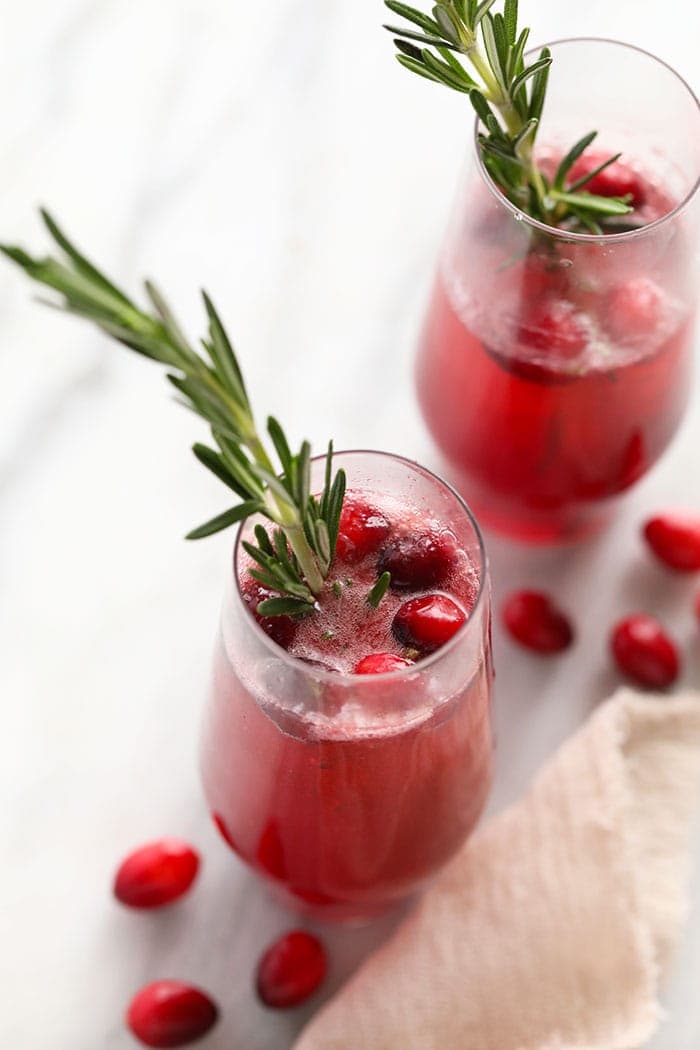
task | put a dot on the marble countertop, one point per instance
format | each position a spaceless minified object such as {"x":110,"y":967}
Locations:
{"x":276,"y":156}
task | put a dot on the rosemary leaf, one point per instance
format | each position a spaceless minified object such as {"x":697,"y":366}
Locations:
{"x":379,"y":590}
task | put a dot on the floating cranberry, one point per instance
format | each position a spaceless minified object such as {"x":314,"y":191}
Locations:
{"x":428,"y":622}
{"x":170,"y":1014}
{"x":534,"y":620}
{"x":291,"y":970}
{"x":633,"y":309}
{"x":555,"y":327}
{"x":156,"y":874}
{"x":280,"y":628}
{"x":675,"y":540}
{"x":617,"y":180}
{"x":420,"y":561}
{"x":644,"y":652}
{"x":380,"y":663}
{"x":362,"y":530}
{"x":540,"y":275}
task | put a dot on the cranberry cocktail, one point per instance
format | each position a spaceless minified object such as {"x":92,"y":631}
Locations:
{"x":553,"y":376}
{"x":347,"y":755}
{"x":553,"y":367}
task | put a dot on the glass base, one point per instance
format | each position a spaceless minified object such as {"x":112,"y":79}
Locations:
{"x":342,"y":913}
{"x":571,"y":523}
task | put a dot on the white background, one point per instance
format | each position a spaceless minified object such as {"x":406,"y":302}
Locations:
{"x":275,"y":154}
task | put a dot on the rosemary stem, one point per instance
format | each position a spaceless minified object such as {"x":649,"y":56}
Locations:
{"x":481,"y":65}
{"x":305,"y":556}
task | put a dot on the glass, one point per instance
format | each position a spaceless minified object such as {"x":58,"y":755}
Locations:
{"x":553,"y":368}
{"x":348,"y":792}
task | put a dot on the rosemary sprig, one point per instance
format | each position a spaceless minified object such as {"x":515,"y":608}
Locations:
{"x":379,"y":590}
{"x":296,"y":559}
{"x":508,"y":97}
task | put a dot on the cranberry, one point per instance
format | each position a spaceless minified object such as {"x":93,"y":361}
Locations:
{"x":361,"y":531}
{"x":553,"y":326}
{"x":156,"y":874}
{"x":541,"y":275}
{"x":697,"y":606}
{"x":420,"y":561}
{"x":427,"y":623}
{"x":270,"y":851}
{"x":534,"y":620}
{"x":280,"y":628}
{"x":633,"y":308}
{"x":168,"y":1013}
{"x":675,"y":540}
{"x":291,"y":970}
{"x":380,"y":663}
{"x":617,"y":180}
{"x":223,"y":830}
{"x":644,"y":652}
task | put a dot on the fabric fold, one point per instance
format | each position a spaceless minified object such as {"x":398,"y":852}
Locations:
{"x":553,"y":927}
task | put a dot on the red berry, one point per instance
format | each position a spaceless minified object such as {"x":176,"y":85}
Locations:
{"x":617,"y":180}
{"x":644,"y":652}
{"x":270,"y":851}
{"x":156,"y":874}
{"x":418,"y":561}
{"x":540,"y":275}
{"x":675,"y":540}
{"x":633,"y":309}
{"x":427,"y":623}
{"x":223,"y":830}
{"x":697,"y":606}
{"x":280,"y":628}
{"x":168,"y":1013}
{"x":380,"y":663}
{"x":291,"y":970}
{"x":535,"y":621}
{"x":361,"y":531}
{"x":553,"y":326}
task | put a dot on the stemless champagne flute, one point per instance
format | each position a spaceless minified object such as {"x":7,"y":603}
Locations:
{"x":553,"y":368}
{"x":348,"y":792}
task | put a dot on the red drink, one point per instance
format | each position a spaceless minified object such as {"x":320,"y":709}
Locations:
{"x":553,"y":368}
{"x":348,"y":790}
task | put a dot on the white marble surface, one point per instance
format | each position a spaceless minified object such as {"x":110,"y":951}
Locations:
{"x":276,"y":155}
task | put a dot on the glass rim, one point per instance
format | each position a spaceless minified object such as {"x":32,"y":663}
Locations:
{"x":335,"y":677}
{"x":591,"y":238}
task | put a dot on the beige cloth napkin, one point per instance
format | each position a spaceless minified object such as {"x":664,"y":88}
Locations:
{"x":552,"y":928}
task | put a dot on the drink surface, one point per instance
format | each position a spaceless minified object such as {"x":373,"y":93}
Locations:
{"x":352,"y":794}
{"x":554,"y":374}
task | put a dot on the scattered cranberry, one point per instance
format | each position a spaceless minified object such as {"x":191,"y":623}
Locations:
{"x":416,"y":562}
{"x":156,"y":874}
{"x":553,"y":326}
{"x":280,"y":628}
{"x":380,"y":663}
{"x":644,"y":652}
{"x":675,"y":540}
{"x":697,"y":606}
{"x":170,"y":1014}
{"x":633,"y":309}
{"x":617,"y":180}
{"x":224,"y":831}
{"x":427,"y":623}
{"x":535,"y":621}
{"x":291,"y":970}
{"x":270,"y":851}
{"x":361,"y":531}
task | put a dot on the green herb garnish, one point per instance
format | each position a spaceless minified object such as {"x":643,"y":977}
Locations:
{"x":296,"y":557}
{"x":379,"y":590}
{"x":509,"y":98}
